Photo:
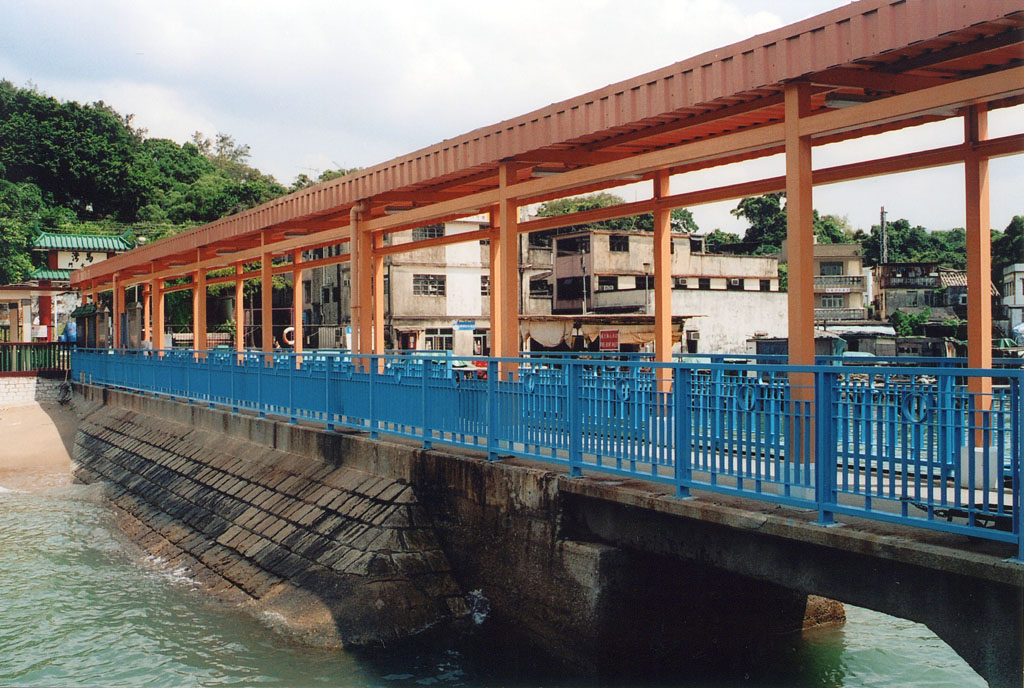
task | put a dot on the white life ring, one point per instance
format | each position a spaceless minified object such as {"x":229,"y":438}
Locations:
{"x":289,"y":336}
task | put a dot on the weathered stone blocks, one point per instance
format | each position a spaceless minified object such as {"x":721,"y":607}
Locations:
{"x":330,"y":548}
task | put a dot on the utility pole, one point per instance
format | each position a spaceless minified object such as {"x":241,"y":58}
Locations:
{"x":885,"y":239}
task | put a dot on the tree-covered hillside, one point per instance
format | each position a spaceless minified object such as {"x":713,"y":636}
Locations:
{"x":68,"y":167}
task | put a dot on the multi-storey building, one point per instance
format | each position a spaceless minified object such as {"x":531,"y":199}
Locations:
{"x":1013,"y":299}
{"x":912,"y":287}
{"x":439,"y":297}
{"x":842,"y":287}
{"x":725,"y":299}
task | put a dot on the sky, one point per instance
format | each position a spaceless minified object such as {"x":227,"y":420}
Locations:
{"x":311,"y":85}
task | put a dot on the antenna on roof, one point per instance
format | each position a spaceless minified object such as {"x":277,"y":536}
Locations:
{"x":885,"y":239}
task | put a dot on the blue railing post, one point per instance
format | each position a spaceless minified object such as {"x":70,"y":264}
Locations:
{"x":328,"y":411}
{"x":492,"y":410}
{"x":682,"y":393}
{"x":425,"y":364}
{"x":209,"y":380}
{"x":824,"y":445}
{"x":371,"y":371}
{"x":261,"y":410}
{"x":1017,"y":457}
{"x":234,"y":374}
{"x":574,"y":407}
{"x":292,"y":363}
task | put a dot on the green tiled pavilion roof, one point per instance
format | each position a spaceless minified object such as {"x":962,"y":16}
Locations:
{"x":50,"y":274}
{"x":80,"y":242}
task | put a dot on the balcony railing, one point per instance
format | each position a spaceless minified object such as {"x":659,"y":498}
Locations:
{"x":821,"y":314}
{"x":926,"y":282}
{"x":922,"y":446}
{"x":850,"y":282}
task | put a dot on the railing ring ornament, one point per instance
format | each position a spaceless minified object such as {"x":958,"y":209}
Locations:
{"x":914,"y":407}
{"x":623,"y":390}
{"x":746,"y":397}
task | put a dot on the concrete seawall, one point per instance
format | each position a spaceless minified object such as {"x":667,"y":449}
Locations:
{"x":340,"y":556}
{"x":353,"y":542}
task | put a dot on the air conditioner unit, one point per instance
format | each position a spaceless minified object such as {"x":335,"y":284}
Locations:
{"x":693,"y":335}
{"x":734,"y":281}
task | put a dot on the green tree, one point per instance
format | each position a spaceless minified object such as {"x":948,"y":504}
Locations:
{"x":767,"y":217}
{"x":1008,"y":247}
{"x":714,"y":241}
{"x":909,"y":324}
{"x":681,"y":219}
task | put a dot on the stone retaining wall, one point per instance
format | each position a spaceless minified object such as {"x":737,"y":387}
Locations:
{"x":347,"y":558}
{"x":16,"y":390}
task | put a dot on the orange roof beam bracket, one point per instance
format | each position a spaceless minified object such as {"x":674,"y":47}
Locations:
{"x":979,"y":89}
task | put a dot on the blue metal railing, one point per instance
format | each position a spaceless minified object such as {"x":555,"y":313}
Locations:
{"x":932,"y":447}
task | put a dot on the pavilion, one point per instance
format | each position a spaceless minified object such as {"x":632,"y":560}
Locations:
{"x":866,"y":67}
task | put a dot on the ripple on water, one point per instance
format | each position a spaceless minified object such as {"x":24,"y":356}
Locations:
{"x":77,"y":608}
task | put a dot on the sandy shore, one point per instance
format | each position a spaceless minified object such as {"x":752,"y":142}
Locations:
{"x":36,"y":443}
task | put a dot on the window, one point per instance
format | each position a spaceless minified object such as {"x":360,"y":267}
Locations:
{"x":480,"y":347}
{"x":831,"y":268}
{"x":618,"y":243}
{"x":570,"y":288}
{"x":703,"y":282}
{"x":735,"y":284}
{"x":439,"y":339}
{"x":428,"y":232}
{"x":428,"y":285}
{"x":607,"y":282}
{"x":679,"y":283}
{"x":574,"y":245}
{"x":644,"y":281}
{"x":485,"y":285}
{"x":833,"y":301}
{"x":766,"y":285}
{"x":541,"y":288}
{"x":540,"y":239}
{"x":696,"y":245}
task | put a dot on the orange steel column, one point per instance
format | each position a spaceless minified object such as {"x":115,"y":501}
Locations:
{"x":365,"y":292}
{"x":239,"y":308}
{"x":117,"y":300}
{"x":799,"y":229}
{"x":199,"y":310}
{"x":979,"y":256}
{"x":355,"y":281}
{"x":377,"y":269}
{"x":158,"y":313}
{"x":494,"y":265}
{"x":297,"y":302}
{"x":662,"y":275}
{"x":508,"y":277}
{"x":267,"y":303}
{"x":147,"y":310}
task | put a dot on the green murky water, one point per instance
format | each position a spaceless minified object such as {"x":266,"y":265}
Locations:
{"x":79,"y":607}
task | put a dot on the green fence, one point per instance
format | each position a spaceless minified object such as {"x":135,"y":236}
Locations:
{"x":27,"y":357}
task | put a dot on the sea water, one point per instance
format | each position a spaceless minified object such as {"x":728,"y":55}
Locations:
{"x":81,"y":606}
